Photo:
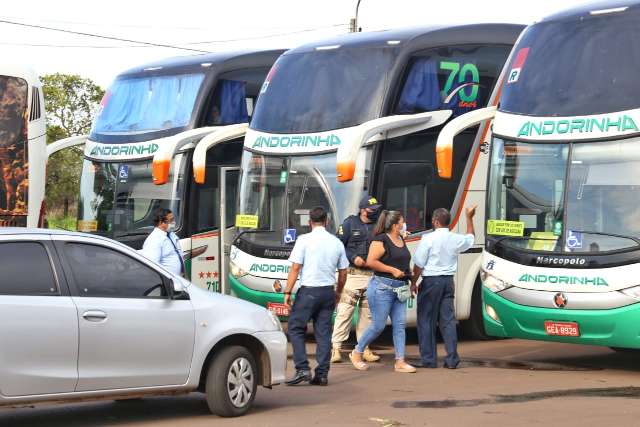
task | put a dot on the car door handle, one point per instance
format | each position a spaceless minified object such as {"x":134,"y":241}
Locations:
{"x":94,"y":315}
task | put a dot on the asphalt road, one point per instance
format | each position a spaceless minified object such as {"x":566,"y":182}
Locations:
{"x":499,"y":383}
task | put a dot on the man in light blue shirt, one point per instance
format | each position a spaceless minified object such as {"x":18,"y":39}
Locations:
{"x":315,"y":258}
{"x":436,"y":260}
{"x":162,"y":245}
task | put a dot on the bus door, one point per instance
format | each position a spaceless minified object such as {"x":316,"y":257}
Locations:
{"x":229,"y":179}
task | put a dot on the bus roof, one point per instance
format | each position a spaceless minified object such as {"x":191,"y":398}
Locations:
{"x":589,"y":8}
{"x":218,"y":61}
{"x":412,"y":39}
{"x":22,"y":71}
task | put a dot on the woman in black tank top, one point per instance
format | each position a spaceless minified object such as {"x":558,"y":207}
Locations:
{"x":389,"y":258}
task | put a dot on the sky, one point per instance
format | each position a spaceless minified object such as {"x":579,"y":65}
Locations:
{"x":215,"y":26}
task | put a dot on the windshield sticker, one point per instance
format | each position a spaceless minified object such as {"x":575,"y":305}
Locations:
{"x":289,"y":235}
{"x":87,"y":226}
{"x":298,"y":141}
{"x":283,"y":177}
{"x":123,"y":173}
{"x":542,"y":241}
{"x":123,"y":150}
{"x":574,"y":240}
{"x":620,"y":123}
{"x":505,"y":228}
{"x":247,"y":221}
{"x":517,"y":66}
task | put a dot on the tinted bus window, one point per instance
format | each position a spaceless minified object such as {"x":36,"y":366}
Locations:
{"x":459,"y":78}
{"x":571,"y":68}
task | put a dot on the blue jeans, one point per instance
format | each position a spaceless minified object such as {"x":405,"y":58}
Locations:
{"x":435,"y":308}
{"x":317,"y":304}
{"x":383,"y":302}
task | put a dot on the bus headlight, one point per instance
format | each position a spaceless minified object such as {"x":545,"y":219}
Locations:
{"x":632,"y":292}
{"x":491,"y":312}
{"x":493,"y":283}
{"x":236,"y":271}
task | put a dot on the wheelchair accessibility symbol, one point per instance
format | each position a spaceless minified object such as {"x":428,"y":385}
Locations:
{"x":123,"y":173}
{"x":290,"y":235}
{"x":574,"y":240}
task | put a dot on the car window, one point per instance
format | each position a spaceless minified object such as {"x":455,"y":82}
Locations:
{"x":26,"y":270}
{"x":106,"y":273}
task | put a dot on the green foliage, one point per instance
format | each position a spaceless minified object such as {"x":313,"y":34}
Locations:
{"x":70,"y":103}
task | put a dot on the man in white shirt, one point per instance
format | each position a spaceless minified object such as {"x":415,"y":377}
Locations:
{"x":436,"y":260}
{"x":315,"y":258}
{"x":162,"y":245}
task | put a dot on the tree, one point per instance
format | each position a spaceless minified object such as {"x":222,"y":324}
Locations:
{"x":70,"y":102}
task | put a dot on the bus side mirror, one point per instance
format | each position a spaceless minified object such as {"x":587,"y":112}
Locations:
{"x":389,"y":127}
{"x":444,"y":146}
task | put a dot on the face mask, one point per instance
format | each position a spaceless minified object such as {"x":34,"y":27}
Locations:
{"x":373,"y":216}
{"x":403,"y":229}
{"x":171,"y":226}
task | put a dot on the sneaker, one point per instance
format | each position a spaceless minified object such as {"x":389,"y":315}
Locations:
{"x":336,"y":356}
{"x":370,"y":356}
{"x":403,"y":367}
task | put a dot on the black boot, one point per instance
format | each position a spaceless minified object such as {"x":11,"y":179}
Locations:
{"x":323,"y":381}
{"x":299,"y":377}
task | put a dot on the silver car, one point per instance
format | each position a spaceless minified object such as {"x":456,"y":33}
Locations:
{"x":84,"y":317}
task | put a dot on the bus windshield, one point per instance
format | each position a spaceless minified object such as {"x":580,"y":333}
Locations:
{"x":585,"y":201}
{"x":580,"y":67}
{"x":119,"y":199}
{"x":323,"y":90}
{"x":281,"y":191}
{"x":148,"y":104}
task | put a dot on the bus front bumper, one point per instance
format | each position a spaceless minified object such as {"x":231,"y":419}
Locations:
{"x":617,"y":327}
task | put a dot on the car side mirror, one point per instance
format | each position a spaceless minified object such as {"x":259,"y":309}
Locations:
{"x":172,"y":292}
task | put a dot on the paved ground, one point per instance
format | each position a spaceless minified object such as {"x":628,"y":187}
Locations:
{"x":500,"y":383}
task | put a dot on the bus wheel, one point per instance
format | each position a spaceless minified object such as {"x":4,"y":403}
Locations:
{"x":473,"y":327}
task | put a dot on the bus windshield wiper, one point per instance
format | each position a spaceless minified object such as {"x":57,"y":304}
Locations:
{"x":252,"y":231}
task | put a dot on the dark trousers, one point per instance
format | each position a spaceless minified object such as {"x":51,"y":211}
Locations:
{"x":315,"y":304}
{"x":435,"y":306}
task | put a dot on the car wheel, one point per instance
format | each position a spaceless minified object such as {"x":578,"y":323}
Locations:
{"x":231,"y":382}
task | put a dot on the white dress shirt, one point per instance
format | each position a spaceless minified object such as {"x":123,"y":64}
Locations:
{"x":320,"y":253}
{"x":438,"y":252}
{"x":164,"y":249}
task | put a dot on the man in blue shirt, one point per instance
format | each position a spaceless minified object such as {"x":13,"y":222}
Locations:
{"x":162,"y":245}
{"x":436,"y":260}
{"x":315,"y":258}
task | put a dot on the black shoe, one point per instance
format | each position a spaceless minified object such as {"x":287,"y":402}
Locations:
{"x":323,"y":381}
{"x":299,"y":377}
{"x":423,"y":365}
{"x":451,"y":366}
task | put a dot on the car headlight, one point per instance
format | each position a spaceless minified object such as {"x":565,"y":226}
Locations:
{"x":236,"y":271}
{"x":275,"y":320}
{"x":493,"y":283}
{"x":633,"y":292}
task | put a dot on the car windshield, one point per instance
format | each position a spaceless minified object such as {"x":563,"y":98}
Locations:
{"x":147,"y":104}
{"x":119,"y":199}
{"x":595,"y":209}
{"x":576,"y":67}
{"x":280,"y":191}
{"x":334,"y":89}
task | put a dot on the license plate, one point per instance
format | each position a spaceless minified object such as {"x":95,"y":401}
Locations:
{"x":278,"y":309}
{"x":563,"y":329}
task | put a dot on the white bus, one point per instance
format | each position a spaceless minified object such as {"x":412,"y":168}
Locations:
{"x":562,"y":230}
{"x":169,"y":135}
{"x":360,"y":114}
{"x":23,"y":151}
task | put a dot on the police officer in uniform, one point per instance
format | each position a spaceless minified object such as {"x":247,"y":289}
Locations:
{"x":355,"y":234}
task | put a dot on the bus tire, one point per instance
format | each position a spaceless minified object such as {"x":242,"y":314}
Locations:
{"x":473,"y":327}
